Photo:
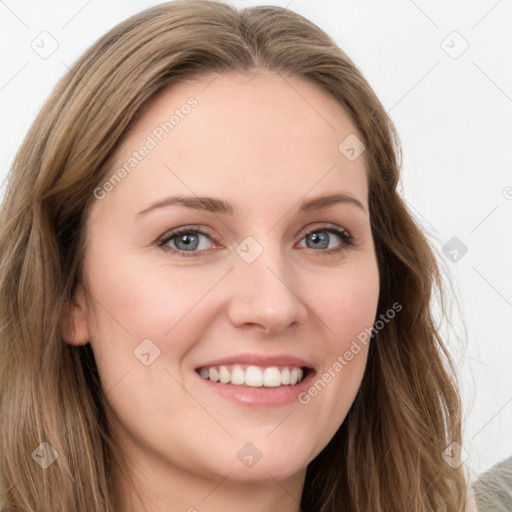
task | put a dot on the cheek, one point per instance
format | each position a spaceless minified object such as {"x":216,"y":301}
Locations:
{"x":131,"y":304}
{"x":347,"y":310}
{"x":348,"y":304}
{"x":134,"y":303}
{"x":139,"y":298}
{"x":176,"y":308}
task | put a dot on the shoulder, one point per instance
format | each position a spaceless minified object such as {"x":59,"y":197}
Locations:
{"x":492,"y":490}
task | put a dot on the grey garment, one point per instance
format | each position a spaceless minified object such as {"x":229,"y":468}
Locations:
{"x":493,"y":489}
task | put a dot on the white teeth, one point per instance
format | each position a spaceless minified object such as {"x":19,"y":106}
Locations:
{"x":213,"y":374}
{"x":237,"y":375}
{"x":254,"y":376}
{"x":224,"y":375}
{"x":272,"y":377}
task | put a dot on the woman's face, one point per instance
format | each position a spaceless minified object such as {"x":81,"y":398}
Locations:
{"x":257,"y":279}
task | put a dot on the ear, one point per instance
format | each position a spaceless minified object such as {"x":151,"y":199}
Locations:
{"x":75,"y":330}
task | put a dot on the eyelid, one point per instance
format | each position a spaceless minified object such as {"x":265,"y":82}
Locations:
{"x":171,"y":233}
{"x":319,"y":226}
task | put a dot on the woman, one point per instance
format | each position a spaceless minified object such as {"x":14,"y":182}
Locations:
{"x":212,"y":295}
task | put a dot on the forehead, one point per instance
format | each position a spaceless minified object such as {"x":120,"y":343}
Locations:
{"x":254,"y":134}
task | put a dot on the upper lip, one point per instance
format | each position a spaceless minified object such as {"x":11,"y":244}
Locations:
{"x":259,"y":360}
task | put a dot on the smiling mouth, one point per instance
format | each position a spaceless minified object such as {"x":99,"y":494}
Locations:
{"x":254,"y":376}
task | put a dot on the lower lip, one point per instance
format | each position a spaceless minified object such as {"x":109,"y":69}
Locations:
{"x":262,"y":396}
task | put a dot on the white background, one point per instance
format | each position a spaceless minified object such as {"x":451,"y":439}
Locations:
{"x":454,"y":117}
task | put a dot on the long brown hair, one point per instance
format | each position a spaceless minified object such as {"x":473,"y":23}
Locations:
{"x":387,"y":454}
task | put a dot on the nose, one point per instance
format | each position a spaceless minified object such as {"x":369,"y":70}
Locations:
{"x":264,"y":296}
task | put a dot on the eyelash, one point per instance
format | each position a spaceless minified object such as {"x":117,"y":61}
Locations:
{"x":344,"y":235}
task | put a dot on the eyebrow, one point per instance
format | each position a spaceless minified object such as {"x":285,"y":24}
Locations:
{"x":213,"y":205}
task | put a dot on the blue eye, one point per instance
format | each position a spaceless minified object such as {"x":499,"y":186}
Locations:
{"x":187,"y":241}
{"x":321,"y":239}
{"x":184,"y":240}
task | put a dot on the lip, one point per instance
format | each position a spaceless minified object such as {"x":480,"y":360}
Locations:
{"x":259,"y":360}
{"x":260,"y":397}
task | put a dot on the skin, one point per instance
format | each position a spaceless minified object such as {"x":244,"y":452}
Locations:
{"x":263,"y":143}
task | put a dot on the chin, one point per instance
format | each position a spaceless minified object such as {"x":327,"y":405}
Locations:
{"x":261,"y":461}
